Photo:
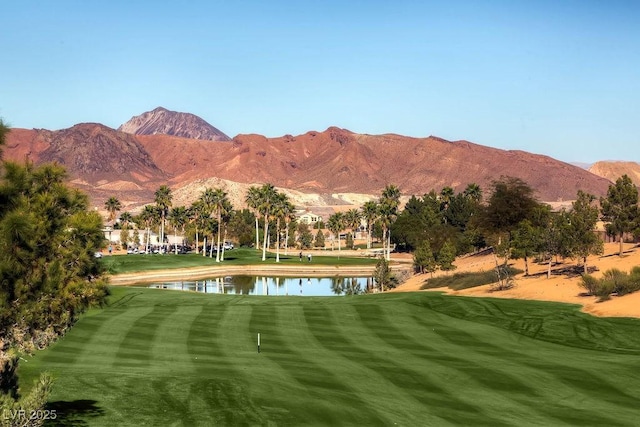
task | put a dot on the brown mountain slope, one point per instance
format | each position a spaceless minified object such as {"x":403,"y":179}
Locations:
{"x":341,"y":161}
{"x":99,"y":160}
{"x":614,"y":170}
{"x":106,"y":162}
{"x":165,"y":122}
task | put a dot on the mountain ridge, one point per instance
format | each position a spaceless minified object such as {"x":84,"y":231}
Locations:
{"x":105,"y":162}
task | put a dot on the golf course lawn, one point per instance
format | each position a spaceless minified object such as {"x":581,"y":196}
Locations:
{"x":157,"y":357}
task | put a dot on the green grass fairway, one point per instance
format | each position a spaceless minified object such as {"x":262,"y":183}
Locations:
{"x":242,"y":256}
{"x":159,"y":358}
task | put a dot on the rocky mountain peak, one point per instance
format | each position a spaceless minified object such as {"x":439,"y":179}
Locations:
{"x":173,"y":123}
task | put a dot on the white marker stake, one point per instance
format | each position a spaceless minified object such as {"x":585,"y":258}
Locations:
{"x":258,"y":342}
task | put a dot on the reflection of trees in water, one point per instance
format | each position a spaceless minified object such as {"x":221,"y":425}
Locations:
{"x":346,"y":286}
{"x":243,"y":284}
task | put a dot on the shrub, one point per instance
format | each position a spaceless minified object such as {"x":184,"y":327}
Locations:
{"x":459,"y":281}
{"x":590,"y":284}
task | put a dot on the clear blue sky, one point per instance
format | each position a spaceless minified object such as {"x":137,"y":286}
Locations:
{"x":560,"y":78}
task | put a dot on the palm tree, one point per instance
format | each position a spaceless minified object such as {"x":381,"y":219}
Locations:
{"x":280,"y":210}
{"x":178,"y":219}
{"x":289,"y":215}
{"x":352,"y":219}
{"x":389,"y":202}
{"x":147,"y":217}
{"x":163,"y":199}
{"x":253,"y":202}
{"x":220,"y":203}
{"x":125,"y":219}
{"x":446,"y":195}
{"x":112,"y":205}
{"x":370,"y":214}
{"x":473,"y":191}
{"x":268,"y":195}
{"x":227,"y":212}
{"x":207,"y":199}
{"x":194,"y":214}
{"x":336,"y":225}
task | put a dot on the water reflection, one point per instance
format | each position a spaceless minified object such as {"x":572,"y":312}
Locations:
{"x":275,"y":286}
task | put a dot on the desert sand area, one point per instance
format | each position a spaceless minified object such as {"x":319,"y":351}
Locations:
{"x":559,"y":288}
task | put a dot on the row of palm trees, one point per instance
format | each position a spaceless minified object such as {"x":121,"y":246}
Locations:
{"x":384,"y":211}
{"x":212,"y":210}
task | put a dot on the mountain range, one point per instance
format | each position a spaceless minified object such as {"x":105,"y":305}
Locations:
{"x":331,"y":167}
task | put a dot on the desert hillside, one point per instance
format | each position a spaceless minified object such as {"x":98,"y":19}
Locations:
{"x":614,"y":170}
{"x":559,"y":288}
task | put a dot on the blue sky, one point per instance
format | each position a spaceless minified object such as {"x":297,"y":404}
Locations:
{"x":560,"y":78}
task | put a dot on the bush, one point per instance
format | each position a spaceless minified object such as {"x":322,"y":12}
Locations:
{"x":613,"y":281}
{"x":590,"y":284}
{"x":459,"y":281}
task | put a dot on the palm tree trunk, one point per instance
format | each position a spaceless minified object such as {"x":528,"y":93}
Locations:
{"x":204,"y":246}
{"x":197,"y":240}
{"x":175,"y":240}
{"x":278,"y":240}
{"x":286,"y":239}
{"x":257,"y":236}
{"x":219,"y":227}
{"x":266,"y":232}
{"x":223,"y":244}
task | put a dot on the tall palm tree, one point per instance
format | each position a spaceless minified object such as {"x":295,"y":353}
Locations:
{"x":389,"y":202}
{"x":126,"y":218}
{"x":268,"y":195}
{"x":335,"y":224}
{"x":279,"y":210}
{"x":352,"y":219}
{"x":370,"y":214}
{"x":163,"y":199}
{"x":227,"y":212}
{"x":112,"y":205}
{"x":220,"y":203}
{"x":207,"y":199}
{"x":253,"y":202}
{"x":148,"y":217}
{"x":289,"y":215}
{"x":178,"y":219}
{"x":194,"y":214}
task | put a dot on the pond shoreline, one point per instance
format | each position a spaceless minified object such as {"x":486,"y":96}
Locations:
{"x":124,"y":279}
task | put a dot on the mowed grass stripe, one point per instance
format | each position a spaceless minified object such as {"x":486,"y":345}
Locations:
{"x":507,"y":378}
{"x":410,"y":359}
{"x":135,"y":349}
{"x":541,"y":366}
{"x":327,"y":399}
{"x":408,"y":365}
{"x":374,"y":380}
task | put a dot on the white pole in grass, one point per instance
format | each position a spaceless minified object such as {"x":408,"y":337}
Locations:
{"x":258,"y":342}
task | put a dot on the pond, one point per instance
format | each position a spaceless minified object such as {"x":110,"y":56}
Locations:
{"x":273,"y":286}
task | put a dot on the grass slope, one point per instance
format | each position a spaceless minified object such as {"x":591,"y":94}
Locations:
{"x":157,"y":357}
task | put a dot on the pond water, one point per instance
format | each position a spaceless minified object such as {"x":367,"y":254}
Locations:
{"x":273,"y":286}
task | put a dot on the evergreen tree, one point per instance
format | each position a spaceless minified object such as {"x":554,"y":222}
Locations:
{"x":423,"y":259}
{"x":382,"y":274}
{"x":620,"y":208}
{"x":447,"y":256}
{"x":319,"y":242}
